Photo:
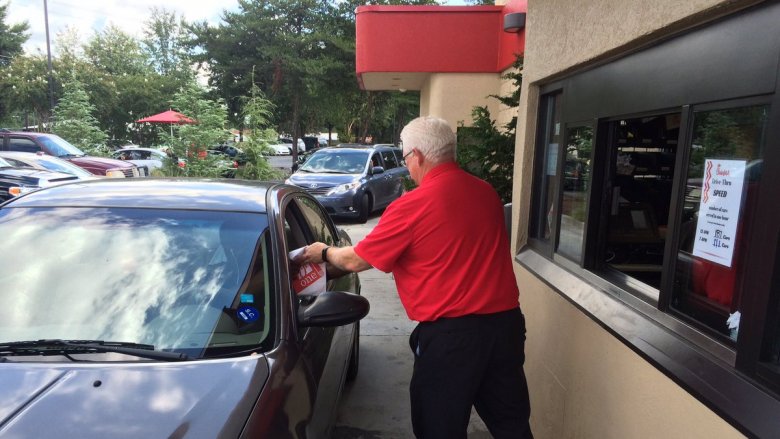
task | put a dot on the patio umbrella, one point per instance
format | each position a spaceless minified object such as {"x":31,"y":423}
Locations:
{"x":170,"y":117}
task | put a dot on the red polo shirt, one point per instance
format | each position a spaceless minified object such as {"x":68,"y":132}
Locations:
{"x":446,"y":245}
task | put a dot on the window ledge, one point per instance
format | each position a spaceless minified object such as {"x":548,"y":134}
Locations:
{"x":694,"y":361}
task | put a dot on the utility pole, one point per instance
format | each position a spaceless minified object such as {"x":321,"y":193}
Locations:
{"x":48,"y":51}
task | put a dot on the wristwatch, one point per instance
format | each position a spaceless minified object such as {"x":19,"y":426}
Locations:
{"x":325,"y":254}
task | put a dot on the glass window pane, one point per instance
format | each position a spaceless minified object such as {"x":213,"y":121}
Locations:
{"x":576,"y":182}
{"x":721,"y":189}
{"x":547,"y":168}
{"x":642,"y":161}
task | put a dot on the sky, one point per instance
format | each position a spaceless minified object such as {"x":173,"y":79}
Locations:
{"x":90,"y":16}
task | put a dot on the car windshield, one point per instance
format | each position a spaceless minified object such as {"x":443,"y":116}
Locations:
{"x":192,"y":282}
{"x":53,"y":164}
{"x":337,"y":162}
{"x":4,"y":164}
{"x":59,"y":147}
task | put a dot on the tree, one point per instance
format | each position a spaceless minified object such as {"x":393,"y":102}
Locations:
{"x":192,"y":142}
{"x":258,"y":113}
{"x":488,"y":151}
{"x":12,"y":37}
{"x":25,"y":89}
{"x":74,"y":122}
{"x":165,"y":44}
{"x":116,"y":53}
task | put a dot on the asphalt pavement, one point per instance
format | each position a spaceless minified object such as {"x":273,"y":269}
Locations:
{"x":376,"y":404}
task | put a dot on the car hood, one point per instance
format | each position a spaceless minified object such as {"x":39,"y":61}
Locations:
{"x":205,"y":399}
{"x":306,"y":179}
{"x":91,"y":162}
{"x":30,"y":176}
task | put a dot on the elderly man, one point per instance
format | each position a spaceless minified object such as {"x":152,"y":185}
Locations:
{"x":446,"y":244}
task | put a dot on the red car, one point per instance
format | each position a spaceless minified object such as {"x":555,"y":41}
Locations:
{"x":51,"y":144}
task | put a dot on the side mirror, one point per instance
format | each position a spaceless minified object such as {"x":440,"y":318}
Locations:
{"x":377,"y":170}
{"x":331,"y":308}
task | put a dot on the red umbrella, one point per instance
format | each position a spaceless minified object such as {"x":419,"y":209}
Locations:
{"x":170,"y":117}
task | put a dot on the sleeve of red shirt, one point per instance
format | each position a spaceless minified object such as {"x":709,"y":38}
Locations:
{"x":389,"y":239}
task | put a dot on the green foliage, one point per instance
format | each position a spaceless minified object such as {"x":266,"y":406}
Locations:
{"x":12,"y":37}
{"x":257,"y":112}
{"x":488,"y":151}
{"x":25,"y":90}
{"x":115,"y":52}
{"x":74,"y":122}
{"x":165,"y":44}
{"x":192,"y":141}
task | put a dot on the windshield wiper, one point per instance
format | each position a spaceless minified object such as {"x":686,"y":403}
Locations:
{"x":71,"y":155}
{"x":66,"y":347}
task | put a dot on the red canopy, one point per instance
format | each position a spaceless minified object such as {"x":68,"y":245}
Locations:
{"x":170,"y":116}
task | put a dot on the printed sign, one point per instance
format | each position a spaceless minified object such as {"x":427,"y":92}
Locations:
{"x":719,"y":208}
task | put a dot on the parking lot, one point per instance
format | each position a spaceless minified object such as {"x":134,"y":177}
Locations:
{"x":376,"y":404}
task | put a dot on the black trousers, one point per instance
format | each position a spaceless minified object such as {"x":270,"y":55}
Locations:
{"x":474,"y":360}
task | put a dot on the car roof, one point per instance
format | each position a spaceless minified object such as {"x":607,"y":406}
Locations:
{"x":154,"y":193}
{"x":25,"y":133}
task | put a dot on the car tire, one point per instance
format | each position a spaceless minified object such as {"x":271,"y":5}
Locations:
{"x":364,"y":209}
{"x":354,"y":355}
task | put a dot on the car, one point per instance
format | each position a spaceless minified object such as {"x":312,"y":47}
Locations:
{"x":145,"y":158}
{"x":27,"y":141}
{"x":166,"y":308}
{"x":281,"y":148}
{"x":353,"y":182}
{"x":46,"y":162}
{"x":15,"y":181}
{"x":225,"y":163}
{"x":288,"y":141}
{"x":233,"y":152}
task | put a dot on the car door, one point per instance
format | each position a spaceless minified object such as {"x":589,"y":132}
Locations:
{"x":379,"y":183}
{"x":23,"y":144}
{"x":325,"y":350}
{"x":395,"y":174}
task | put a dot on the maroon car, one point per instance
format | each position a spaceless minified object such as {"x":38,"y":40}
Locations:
{"x":51,"y":144}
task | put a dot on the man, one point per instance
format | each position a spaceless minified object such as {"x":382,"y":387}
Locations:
{"x":446,"y":244}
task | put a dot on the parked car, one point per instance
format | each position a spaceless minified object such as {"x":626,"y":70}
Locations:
{"x":148,"y":158}
{"x":24,"y":141}
{"x":165,"y":308}
{"x":15,"y":181}
{"x":227,"y":165}
{"x":353,"y":182}
{"x":289,"y":141}
{"x":281,"y":149}
{"x":233,"y":152}
{"x":45,"y":162}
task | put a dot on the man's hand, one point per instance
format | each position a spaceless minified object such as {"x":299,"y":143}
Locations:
{"x":311,"y":253}
{"x":343,"y":258}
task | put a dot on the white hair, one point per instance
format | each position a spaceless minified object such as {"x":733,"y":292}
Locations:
{"x":431,"y":136}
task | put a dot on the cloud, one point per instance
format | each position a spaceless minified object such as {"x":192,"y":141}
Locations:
{"x":90,"y":17}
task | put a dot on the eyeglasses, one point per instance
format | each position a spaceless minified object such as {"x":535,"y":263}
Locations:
{"x":408,"y":153}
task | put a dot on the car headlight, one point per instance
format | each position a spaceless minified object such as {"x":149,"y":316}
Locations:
{"x":115,"y":173}
{"x":344,"y":188}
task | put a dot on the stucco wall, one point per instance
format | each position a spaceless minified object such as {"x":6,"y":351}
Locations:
{"x":452,"y":95}
{"x":584,"y":382}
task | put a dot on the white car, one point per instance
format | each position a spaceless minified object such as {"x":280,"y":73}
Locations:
{"x":141,"y":157}
{"x":281,"y":149}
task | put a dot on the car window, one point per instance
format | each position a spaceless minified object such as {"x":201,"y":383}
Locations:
{"x":336,"y":162}
{"x":316,"y":220}
{"x":375,"y":160}
{"x":195,"y":282}
{"x":16,"y":163}
{"x":399,"y":157}
{"x":22,"y":145}
{"x":390,"y":160}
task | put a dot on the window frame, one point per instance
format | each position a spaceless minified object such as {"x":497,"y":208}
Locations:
{"x":732,"y":380}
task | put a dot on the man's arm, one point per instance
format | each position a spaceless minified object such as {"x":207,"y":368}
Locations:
{"x":342,"y":258}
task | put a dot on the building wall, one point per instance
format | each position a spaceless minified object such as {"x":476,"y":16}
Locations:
{"x":451,"y":96}
{"x":585,"y":383}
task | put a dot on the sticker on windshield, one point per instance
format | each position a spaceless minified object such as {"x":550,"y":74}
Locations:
{"x":248,"y":314}
{"x":247,"y":298}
